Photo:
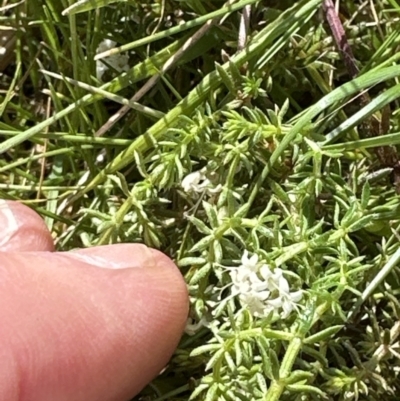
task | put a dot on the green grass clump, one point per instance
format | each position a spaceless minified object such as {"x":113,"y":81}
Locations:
{"x":234,"y":129}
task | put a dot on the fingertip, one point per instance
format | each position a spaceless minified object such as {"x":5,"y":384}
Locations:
{"x":22,"y":229}
{"x":152,"y":293}
{"x":164,"y":262}
{"x":129,"y":318}
{"x":138,"y":256}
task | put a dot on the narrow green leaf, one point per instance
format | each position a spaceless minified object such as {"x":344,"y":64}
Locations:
{"x":377,"y":280}
{"x":263,"y":347}
{"x":212,"y":393}
{"x":191,"y":261}
{"x":201,"y":227}
{"x":323,"y":335}
{"x":304,"y":388}
{"x":215,"y":359}
{"x":178,"y":28}
{"x":376,"y":104}
{"x":198,"y":390}
{"x":365,"y":195}
{"x":275,"y":365}
{"x":298,"y":375}
{"x":199,"y":274}
{"x":261,"y":382}
{"x":226,"y":79}
{"x":360,"y":223}
{"x":87,"y":5}
{"x":211,"y":214}
{"x":218,"y":252}
{"x":204,"y":349}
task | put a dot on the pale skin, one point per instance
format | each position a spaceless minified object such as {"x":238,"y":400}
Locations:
{"x":94,"y":324}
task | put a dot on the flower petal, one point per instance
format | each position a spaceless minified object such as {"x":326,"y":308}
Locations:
{"x":245,"y":257}
{"x":254,"y":259}
{"x":296,"y":296}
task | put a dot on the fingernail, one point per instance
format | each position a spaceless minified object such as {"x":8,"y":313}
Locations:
{"x":22,"y":229}
{"x":8,"y":223}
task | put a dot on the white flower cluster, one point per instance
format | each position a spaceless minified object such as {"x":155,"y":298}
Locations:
{"x":117,"y":61}
{"x":197,"y":182}
{"x":261,"y":290}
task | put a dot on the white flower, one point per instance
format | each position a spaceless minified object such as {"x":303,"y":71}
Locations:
{"x":197,"y":182}
{"x":275,"y":279}
{"x":249,"y":263}
{"x":255,"y":303}
{"x":117,"y":61}
{"x":191,"y":181}
{"x":262,"y":290}
{"x":286,"y":301}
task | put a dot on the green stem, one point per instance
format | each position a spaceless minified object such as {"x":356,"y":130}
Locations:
{"x":303,"y":324}
{"x":176,"y":29}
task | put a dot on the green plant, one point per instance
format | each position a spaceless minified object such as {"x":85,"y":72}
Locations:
{"x":244,"y":164}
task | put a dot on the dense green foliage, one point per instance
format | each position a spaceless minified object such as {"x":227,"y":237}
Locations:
{"x":263,"y":112}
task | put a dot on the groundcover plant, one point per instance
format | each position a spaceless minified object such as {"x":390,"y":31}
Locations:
{"x":252,"y":141}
